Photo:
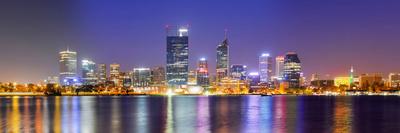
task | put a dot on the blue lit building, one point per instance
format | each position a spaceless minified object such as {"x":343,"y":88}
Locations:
{"x":292,"y":70}
{"x":68,"y":67}
{"x":88,"y":72}
{"x":177,"y":57}
{"x":239,"y":71}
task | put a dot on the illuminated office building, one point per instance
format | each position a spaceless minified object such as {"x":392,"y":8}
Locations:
{"x":88,"y":72}
{"x":394,"y":80}
{"x":158,"y":76}
{"x":222,"y":59}
{"x":68,"y":67}
{"x":239,"y":71}
{"x":141,"y":77}
{"x":292,"y":70}
{"x":265,"y":68}
{"x":202,"y":73}
{"x":115,"y":73}
{"x":102,"y":73}
{"x":177,"y":57}
{"x":279,"y":65}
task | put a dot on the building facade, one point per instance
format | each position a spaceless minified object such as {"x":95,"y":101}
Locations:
{"x":177,"y":57}
{"x":292,"y":70}
{"x":115,"y":74}
{"x":158,"y":76}
{"x":101,"y":73}
{"x":279,"y":65}
{"x":141,"y":77}
{"x":265,"y":68}
{"x":68,"y":67}
{"x":89,"y":72}
{"x":238,"y":71}
{"x":394,"y":80}
{"x":202,"y":73}
{"x":222,"y":60}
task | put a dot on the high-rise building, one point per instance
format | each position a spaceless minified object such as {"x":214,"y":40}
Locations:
{"x":239,"y":71}
{"x":351,"y":75}
{"x":88,"y":72}
{"x":177,"y":57}
{"x":68,"y":67}
{"x":202,"y":73}
{"x":279,"y":65}
{"x":141,"y":77}
{"x":102,"y":73}
{"x":126,"y":79}
{"x":394,"y":80}
{"x":265,"y":68}
{"x":115,"y":73}
{"x":158,"y":76}
{"x":222,"y":59}
{"x":192,"y":78}
{"x":292,"y":70}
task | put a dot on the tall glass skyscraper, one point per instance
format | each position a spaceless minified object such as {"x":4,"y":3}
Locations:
{"x":177,"y":57}
{"x":265,"y":68}
{"x":202,"y":73}
{"x":88,"y":72}
{"x":223,"y":59}
{"x":292,"y":70}
{"x":68,"y":67}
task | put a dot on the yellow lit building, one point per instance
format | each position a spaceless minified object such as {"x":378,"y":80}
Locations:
{"x":342,"y":81}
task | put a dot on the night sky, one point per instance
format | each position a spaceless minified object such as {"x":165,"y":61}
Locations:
{"x":328,"y":35}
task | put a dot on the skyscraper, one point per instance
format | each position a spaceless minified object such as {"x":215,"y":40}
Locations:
{"x":239,"y":71}
{"x":279,"y":63}
{"x":292,"y":70}
{"x":265,"y":68}
{"x":141,"y":77}
{"x":88,"y":72}
{"x":223,"y":59}
{"x":202,"y":73}
{"x":102,"y":73}
{"x":177,"y":57}
{"x":68,"y":67}
{"x":115,"y":73}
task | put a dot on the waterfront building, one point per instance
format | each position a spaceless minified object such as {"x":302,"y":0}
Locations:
{"x":394,"y":80}
{"x":141,"y":77}
{"x":158,"y":76}
{"x":342,"y":81}
{"x":265,"y":68}
{"x":232,"y":86}
{"x":202,"y":73}
{"x":323,"y":83}
{"x":102,"y":73}
{"x":115,"y":73}
{"x":52,"y":80}
{"x":68,"y":67}
{"x":370,"y":81}
{"x":222,"y":59}
{"x":279,"y":65}
{"x":292,"y":70}
{"x":254,"y":78}
{"x":238,"y":71}
{"x":88,"y":72}
{"x":125,"y":79}
{"x":177,"y":57}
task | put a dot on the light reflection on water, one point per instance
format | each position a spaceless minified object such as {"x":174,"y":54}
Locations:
{"x":200,"y":114}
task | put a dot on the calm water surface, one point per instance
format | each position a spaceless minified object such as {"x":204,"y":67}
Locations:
{"x":201,"y":114}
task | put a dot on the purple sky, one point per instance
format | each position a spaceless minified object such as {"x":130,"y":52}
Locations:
{"x":329,"y":36}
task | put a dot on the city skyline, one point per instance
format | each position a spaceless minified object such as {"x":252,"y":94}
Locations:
{"x":366,"y":42}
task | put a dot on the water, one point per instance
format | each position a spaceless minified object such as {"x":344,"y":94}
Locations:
{"x":201,"y":114}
